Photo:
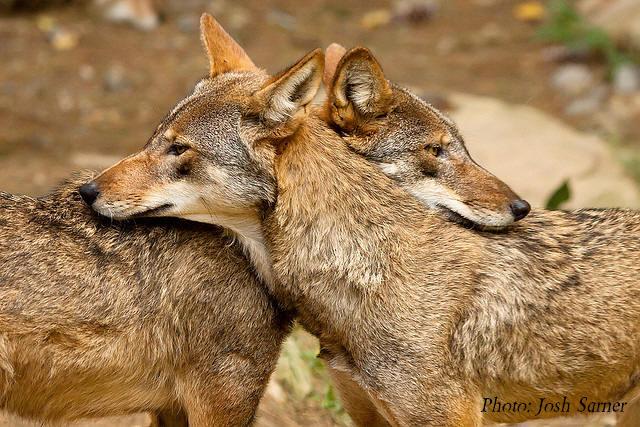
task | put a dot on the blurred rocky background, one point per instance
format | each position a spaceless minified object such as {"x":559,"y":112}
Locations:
{"x":547,"y":94}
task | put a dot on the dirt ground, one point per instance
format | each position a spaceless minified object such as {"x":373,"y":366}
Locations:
{"x":89,"y":104}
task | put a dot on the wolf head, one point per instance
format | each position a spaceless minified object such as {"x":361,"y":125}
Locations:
{"x":208,"y":160}
{"x":412,"y":142}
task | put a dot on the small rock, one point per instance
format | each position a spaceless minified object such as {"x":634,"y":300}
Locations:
{"x":375,"y":18}
{"x":590,"y":103}
{"x":115,"y":79}
{"x":572,"y":79}
{"x":626,"y":79}
{"x":415,"y":11}
{"x":138,"y":13}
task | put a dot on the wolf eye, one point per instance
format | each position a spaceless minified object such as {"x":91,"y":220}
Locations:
{"x":177,"y":149}
{"x":433,"y":149}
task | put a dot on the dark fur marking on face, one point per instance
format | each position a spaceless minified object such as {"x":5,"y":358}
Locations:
{"x":184,"y":169}
{"x":429,"y":170}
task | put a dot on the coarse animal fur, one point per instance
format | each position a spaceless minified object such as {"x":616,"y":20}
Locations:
{"x":100,"y":318}
{"x":412,"y":142}
{"x":220,"y":133}
{"x":566,"y":243}
{"x":419,"y":317}
{"x":428,"y":317}
{"x":196,"y":136}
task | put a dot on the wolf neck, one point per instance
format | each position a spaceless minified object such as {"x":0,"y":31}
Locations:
{"x":317,"y":165}
{"x":339,"y":214}
{"x":248,"y":231}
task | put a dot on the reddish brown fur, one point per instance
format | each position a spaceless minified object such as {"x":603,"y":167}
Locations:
{"x":224,"y":53}
{"x":406,"y":303}
{"x":99,"y":318}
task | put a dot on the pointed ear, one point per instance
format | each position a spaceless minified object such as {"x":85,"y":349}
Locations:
{"x":332,"y":55}
{"x":224,"y":53}
{"x":359,"y":91}
{"x":290,"y":91}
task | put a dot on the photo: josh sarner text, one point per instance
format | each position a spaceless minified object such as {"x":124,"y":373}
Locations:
{"x":545,"y":405}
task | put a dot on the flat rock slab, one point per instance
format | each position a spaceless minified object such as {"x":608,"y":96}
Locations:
{"x":535,"y":153}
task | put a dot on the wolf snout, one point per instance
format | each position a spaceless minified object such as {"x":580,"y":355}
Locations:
{"x":520,"y":208}
{"x":89,"y":192}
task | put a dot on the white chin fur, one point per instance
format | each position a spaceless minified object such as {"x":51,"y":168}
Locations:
{"x":112,"y":212}
{"x":433,"y":196}
{"x":485,"y":219}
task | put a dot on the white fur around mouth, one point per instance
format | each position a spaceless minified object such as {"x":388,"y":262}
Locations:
{"x":457,"y":217}
{"x":122,"y":214}
{"x":154,"y":211}
{"x":492,"y":221}
{"x":435,"y":196}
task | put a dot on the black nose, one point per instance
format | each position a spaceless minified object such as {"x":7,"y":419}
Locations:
{"x":520,"y":208}
{"x":89,"y":192}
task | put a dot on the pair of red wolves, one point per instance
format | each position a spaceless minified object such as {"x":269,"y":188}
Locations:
{"x":349,"y":217}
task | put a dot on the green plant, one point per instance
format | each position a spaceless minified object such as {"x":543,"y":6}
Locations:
{"x":305,"y":376}
{"x":330,"y":400}
{"x":565,"y":25}
{"x":560,"y":196}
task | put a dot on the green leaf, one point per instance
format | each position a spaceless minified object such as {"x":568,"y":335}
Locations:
{"x":566,"y":26}
{"x":560,"y":196}
{"x":330,"y":400}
